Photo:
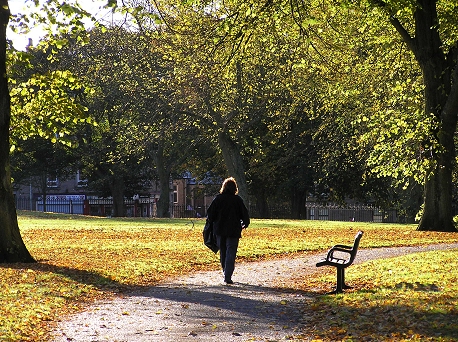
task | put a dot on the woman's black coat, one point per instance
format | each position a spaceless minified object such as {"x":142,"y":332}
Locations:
{"x":225,"y":212}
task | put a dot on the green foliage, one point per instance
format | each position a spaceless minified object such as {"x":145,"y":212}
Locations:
{"x":333,"y":85}
{"x":56,"y":19}
{"x":46,"y":106}
{"x":133,"y":103}
{"x":448,"y":25}
{"x":411,"y":153}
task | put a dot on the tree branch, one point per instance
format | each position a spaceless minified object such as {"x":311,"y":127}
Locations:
{"x":404,"y":34}
{"x":406,"y":37}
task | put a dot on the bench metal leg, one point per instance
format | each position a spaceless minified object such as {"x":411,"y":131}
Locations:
{"x":340,"y":280}
{"x":344,"y":286}
{"x":340,"y":286}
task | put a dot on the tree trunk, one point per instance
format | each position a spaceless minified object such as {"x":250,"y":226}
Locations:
{"x":262,"y":206}
{"x":440,"y":77}
{"x":437,"y":211}
{"x":234,"y":163}
{"x":298,"y":200}
{"x":163,"y":204}
{"x":440,"y":99}
{"x":44,"y":188}
{"x":12,"y":247}
{"x":117,"y":192}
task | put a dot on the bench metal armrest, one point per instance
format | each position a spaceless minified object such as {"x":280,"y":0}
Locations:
{"x":337,"y":249}
{"x":342,"y":246}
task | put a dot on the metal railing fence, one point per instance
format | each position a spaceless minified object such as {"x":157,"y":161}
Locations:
{"x":146,"y":207}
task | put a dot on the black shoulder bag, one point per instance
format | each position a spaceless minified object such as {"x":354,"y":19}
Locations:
{"x":209,"y":237}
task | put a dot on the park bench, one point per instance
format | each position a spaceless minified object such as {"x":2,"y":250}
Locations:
{"x":340,"y":257}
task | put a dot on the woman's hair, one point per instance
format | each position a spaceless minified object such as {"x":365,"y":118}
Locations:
{"x":229,"y":187}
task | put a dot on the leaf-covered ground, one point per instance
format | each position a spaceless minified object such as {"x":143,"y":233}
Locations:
{"x":84,"y":258}
{"x":408,"y":298}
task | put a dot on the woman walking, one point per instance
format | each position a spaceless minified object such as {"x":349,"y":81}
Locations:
{"x":229,"y":216}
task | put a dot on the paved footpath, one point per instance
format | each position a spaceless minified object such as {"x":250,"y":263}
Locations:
{"x":200,"y":307}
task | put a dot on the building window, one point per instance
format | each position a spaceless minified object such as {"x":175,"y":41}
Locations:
{"x":175,"y":194}
{"x":52,"y":181}
{"x":80,"y":181}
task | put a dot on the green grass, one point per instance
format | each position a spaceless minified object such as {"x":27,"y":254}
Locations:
{"x":83,"y":258}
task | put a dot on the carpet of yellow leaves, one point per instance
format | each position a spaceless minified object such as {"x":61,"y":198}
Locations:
{"x":80,"y":259}
{"x":408,"y":298}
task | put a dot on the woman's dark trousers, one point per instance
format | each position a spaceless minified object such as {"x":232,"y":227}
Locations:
{"x":227,"y":253}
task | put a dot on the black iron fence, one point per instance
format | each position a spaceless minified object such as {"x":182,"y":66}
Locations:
{"x":313,"y":211}
{"x":25,"y":203}
{"x":146,"y":207}
{"x":353,"y":213}
{"x":187,"y":211}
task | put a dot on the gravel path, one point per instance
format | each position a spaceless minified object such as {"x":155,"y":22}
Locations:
{"x":200,"y":307}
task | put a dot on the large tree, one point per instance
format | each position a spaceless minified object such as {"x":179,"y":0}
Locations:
{"x":133,"y":103}
{"x":113,"y":153}
{"x":12,"y":247}
{"x":428,"y":28}
{"x":404,"y":101}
